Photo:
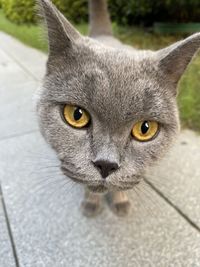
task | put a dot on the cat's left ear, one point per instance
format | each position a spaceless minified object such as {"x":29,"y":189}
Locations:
{"x":61,"y":34}
{"x":173,"y":60}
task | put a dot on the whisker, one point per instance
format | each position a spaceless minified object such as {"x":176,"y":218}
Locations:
{"x":139,"y":203}
{"x":48,"y":167}
{"x":38,"y":187}
{"x":148,"y":194}
{"x":159,"y":180}
{"x":142,"y":202}
{"x":161,"y":185}
{"x":72,"y":185}
{"x":70,"y":190}
{"x":149,"y":191}
{"x":59,"y":189}
{"x":53,"y":172}
{"x":167,"y":193}
{"x":40,"y":160}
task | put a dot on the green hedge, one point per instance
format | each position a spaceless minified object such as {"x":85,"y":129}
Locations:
{"x":133,"y":11}
{"x":75,"y":10}
{"x":147,"y":12}
{"x":124,"y":12}
{"x":181,"y":10}
{"x":19,"y":11}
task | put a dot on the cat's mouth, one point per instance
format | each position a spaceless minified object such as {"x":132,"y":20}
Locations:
{"x":98,"y":187}
{"x":101,"y":186}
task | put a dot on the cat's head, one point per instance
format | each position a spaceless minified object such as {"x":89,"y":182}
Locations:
{"x":109,"y":114}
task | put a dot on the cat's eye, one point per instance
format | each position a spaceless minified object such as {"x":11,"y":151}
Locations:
{"x":145,"y":130}
{"x":76,"y":116}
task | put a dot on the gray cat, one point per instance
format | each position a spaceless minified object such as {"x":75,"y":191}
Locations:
{"x":108,"y":110}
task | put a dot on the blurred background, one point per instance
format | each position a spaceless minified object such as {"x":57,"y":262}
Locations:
{"x":143,"y":24}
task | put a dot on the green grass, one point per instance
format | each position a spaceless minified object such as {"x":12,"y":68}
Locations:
{"x":31,"y":35}
{"x":189,"y":96}
{"x":28,"y":34}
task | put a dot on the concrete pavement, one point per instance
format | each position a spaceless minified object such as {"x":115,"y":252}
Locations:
{"x":40,"y":220}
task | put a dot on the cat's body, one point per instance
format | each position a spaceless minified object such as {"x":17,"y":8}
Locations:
{"x":102,"y":100}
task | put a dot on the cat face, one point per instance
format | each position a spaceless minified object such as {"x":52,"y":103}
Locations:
{"x":97,"y":104}
{"x":117,"y":91}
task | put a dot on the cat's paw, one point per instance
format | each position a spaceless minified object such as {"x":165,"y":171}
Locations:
{"x":91,"y":209}
{"x":121,"y":209}
{"x":119,"y":203}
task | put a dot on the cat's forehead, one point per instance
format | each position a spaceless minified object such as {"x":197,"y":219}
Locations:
{"x":115,"y":86}
{"x":124,"y":95}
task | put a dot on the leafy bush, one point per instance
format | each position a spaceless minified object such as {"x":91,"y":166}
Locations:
{"x":75,"y":10}
{"x":146,"y":12}
{"x":23,"y":11}
{"x":133,"y":11}
{"x":19,"y":11}
{"x":140,"y":12}
{"x":181,"y":10}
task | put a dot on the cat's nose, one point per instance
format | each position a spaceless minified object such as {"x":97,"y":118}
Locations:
{"x":105,"y":167}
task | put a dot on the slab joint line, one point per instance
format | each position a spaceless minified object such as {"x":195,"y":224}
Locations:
{"x":14,"y":251}
{"x":180,"y":212}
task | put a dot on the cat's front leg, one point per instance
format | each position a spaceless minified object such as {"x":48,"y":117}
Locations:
{"x":91,"y":205}
{"x":119,"y":203}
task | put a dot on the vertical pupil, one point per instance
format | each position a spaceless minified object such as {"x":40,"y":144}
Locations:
{"x":78,"y":113}
{"x":145,"y":127}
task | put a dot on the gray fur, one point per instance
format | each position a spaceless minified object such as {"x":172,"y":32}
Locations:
{"x":118,"y":86}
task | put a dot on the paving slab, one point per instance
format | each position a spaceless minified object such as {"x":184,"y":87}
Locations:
{"x":14,"y":92}
{"x":30,"y":59}
{"x":17,"y":110}
{"x":11,"y":72}
{"x":49,"y":229}
{"x":17,"y":88}
{"x":6,"y":255}
{"x":178,"y":175}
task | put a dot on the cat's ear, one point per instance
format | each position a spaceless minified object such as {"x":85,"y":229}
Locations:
{"x":173,"y":60}
{"x":61,"y":34}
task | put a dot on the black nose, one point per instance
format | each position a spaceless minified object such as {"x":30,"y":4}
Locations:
{"x":105,"y":167}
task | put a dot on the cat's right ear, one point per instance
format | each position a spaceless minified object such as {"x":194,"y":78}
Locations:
{"x":61,"y":34}
{"x":174,"y":59}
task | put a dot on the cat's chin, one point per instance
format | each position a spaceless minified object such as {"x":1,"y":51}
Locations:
{"x":104,"y":189}
{"x":98,"y":188}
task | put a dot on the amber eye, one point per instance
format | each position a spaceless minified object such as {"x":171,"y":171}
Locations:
{"x":76,"y":116}
{"x":145,"y":130}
